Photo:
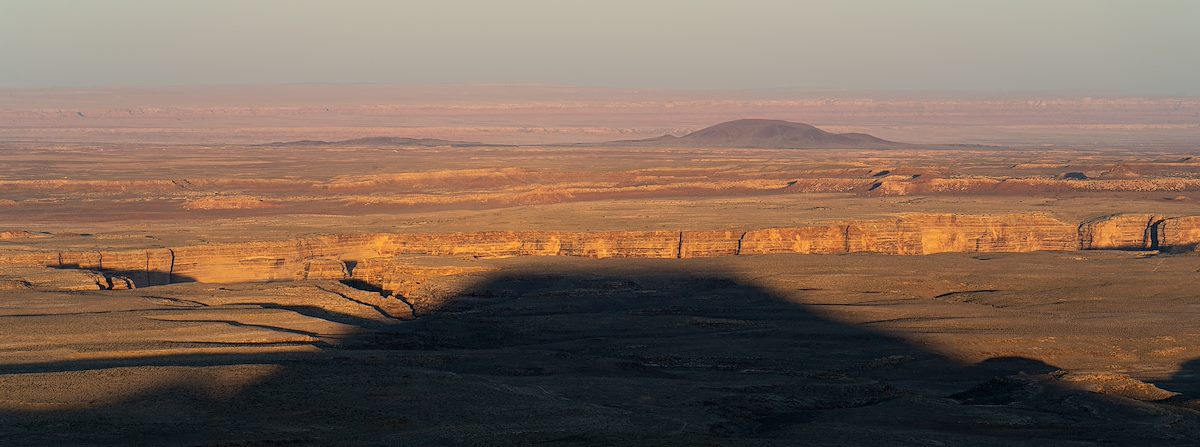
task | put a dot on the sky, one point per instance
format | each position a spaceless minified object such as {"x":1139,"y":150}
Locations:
{"x":1126,"y":47}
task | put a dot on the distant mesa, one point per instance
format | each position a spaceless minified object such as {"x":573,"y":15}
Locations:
{"x":769,"y":134}
{"x":382,"y":142}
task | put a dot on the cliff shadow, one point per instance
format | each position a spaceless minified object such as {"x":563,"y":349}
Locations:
{"x":648,"y":354}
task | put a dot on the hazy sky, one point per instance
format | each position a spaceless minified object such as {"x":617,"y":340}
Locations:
{"x":1069,"y":46}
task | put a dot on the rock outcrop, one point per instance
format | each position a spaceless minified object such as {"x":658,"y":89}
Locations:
{"x":19,"y":234}
{"x":47,"y":278}
{"x":1114,"y":384}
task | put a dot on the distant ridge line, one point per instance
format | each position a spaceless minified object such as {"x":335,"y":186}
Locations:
{"x":742,"y":133}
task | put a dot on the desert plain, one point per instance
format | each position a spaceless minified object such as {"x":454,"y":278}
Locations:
{"x":372,"y":265}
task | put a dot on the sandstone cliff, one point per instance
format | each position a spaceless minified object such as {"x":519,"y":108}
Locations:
{"x":705,"y":244}
{"x":46,"y":278}
{"x":904,"y":185}
{"x":820,"y":239}
{"x":924,"y":234}
{"x":612,"y":244}
{"x":919,"y":234}
{"x":1119,"y":232}
{"x":371,"y":258}
{"x":1179,"y":233}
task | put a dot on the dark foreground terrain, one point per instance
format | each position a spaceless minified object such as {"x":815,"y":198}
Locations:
{"x":957,"y":349}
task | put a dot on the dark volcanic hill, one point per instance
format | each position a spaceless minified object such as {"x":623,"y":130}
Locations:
{"x":769,"y":134}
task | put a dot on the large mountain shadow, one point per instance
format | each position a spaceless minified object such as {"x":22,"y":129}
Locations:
{"x":630,"y":356}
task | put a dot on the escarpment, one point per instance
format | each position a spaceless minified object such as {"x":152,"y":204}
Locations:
{"x":906,"y":185}
{"x":943,"y":233}
{"x":920,"y":234}
{"x":1179,"y":233}
{"x":820,"y":239}
{"x":608,"y":244}
{"x":376,"y":259}
{"x":1119,"y":232}
{"x":705,"y":244}
{"x":1140,"y":232}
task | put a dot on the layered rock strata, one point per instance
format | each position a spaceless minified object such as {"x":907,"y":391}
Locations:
{"x":1119,"y":232}
{"x":369,"y":257}
{"x":919,"y":235}
{"x":1140,"y":232}
{"x":1179,"y":233}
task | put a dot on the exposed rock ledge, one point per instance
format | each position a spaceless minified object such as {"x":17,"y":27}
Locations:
{"x":365,"y":256}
